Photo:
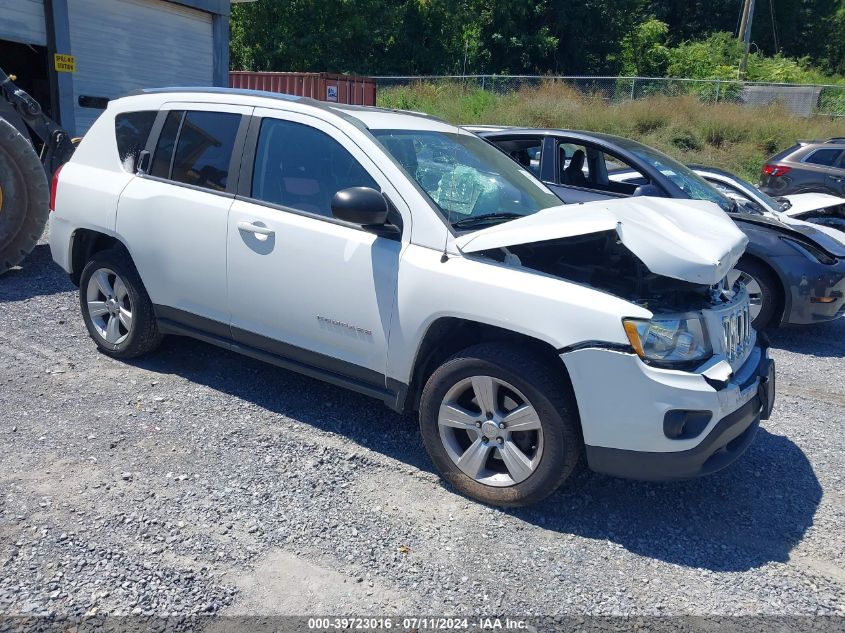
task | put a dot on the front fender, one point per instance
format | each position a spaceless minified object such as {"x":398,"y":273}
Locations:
{"x":546,"y":308}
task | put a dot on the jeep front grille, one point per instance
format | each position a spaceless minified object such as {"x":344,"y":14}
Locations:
{"x":737,"y":331}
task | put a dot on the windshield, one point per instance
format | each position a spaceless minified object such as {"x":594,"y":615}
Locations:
{"x":682,"y":176}
{"x":472,"y":183}
{"x":753,"y":192}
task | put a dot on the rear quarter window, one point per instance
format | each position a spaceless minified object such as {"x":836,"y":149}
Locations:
{"x":131,"y":130}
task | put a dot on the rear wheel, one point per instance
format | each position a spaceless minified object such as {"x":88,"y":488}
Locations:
{"x":763,"y":291}
{"x":497,"y":425}
{"x":115,"y":306}
{"x":24,"y":197}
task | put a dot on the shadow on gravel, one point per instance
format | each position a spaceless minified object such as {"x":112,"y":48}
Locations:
{"x":750,"y":514}
{"x":361,"y":419}
{"x":825,"y":339}
{"x":36,"y":276}
{"x":746,"y":516}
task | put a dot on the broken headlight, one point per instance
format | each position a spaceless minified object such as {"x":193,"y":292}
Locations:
{"x":669,"y":341}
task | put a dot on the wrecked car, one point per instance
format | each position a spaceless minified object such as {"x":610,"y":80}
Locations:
{"x":793,"y":271}
{"x":823,"y":210}
{"x":408,"y":260}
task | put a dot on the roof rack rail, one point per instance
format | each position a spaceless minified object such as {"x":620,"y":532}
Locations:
{"x":836,"y":139}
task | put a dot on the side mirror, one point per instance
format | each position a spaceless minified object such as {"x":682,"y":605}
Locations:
{"x":360,"y":205}
{"x":649,"y":190}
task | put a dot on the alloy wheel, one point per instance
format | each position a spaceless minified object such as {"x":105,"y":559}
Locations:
{"x":109,"y":306}
{"x":752,"y":286}
{"x":491,"y":431}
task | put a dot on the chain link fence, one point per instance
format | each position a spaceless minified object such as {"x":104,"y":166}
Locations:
{"x":801,"y":99}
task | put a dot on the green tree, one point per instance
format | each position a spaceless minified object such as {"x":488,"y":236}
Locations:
{"x":689,"y":38}
{"x":644,"y":50}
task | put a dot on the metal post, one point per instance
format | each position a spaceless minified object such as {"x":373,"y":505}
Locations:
{"x":633,"y":85}
{"x":718,"y":89}
{"x":743,"y":24}
{"x":747,"y":39}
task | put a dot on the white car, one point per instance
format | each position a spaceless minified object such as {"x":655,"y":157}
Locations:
{"x":409,"y":260}
{"x":824,"y":212}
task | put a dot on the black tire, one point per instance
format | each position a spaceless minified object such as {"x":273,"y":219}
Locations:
{"x":24,"y":197}
{"x":143,"y":336}
{"x":772,"y":293}
{"x":544,"y":388}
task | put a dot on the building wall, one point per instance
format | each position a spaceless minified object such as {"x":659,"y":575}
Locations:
{"x":23,"y":21}
{"x":150,"y":44}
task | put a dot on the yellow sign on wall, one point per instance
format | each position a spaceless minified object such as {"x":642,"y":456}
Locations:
{"x":65,"y":63}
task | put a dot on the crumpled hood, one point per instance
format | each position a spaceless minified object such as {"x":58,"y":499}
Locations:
{"x":691,"y":240}
{"x":804,"y":202}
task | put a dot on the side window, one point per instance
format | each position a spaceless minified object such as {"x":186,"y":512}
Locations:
{"x":824,"y":157}
{"x":300,"y":167}
{"x":572,"y":165}
{"x":163,"y":154}
{"x":131,"y":130}
{"x":204,"y":149}
{"x":614,"y":175}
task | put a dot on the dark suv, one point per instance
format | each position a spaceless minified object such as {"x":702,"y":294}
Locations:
{"x":806,"y":167}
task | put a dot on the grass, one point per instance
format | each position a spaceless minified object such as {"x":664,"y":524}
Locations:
{"x":734,"y":137}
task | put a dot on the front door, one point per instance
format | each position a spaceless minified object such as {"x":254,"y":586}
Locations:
{"x":301,"y":284}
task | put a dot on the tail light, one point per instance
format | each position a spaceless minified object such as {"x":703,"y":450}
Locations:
{"x":776,"y":170}
{"x":54,"y":185}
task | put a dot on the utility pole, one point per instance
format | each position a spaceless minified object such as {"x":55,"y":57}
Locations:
{"x":745,"y":35}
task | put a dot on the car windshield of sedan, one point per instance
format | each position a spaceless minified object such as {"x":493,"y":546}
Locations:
{"x":472,"y":183}
{"x":682,"y":176}
{"x":753,"y":192}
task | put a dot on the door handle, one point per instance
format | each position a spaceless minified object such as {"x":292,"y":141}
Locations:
{"x":835,"y":178}
{"x":254,"y":228}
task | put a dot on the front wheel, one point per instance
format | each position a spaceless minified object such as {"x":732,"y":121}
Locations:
{"x":763,"y":291}
{"x":496,"y":423}
{"x":115,"y":306}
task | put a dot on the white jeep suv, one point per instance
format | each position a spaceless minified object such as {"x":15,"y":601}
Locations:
{"x":407,"y":259}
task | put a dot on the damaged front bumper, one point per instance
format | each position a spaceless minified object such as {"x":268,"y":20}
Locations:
{"x":646,"y":423}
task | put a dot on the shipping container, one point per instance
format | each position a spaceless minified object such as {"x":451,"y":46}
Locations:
{"x":349,"y":89}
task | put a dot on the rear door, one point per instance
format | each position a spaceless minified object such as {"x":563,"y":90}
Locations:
{"x":837,"y":177}
{"x":174,"y":219}
{"x":823,"y":170}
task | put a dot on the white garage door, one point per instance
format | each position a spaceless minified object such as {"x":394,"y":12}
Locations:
{"x":23,"y":21}
{"x":123,"y":45}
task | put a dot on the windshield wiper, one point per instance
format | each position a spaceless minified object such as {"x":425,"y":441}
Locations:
{"x":487,"y":218}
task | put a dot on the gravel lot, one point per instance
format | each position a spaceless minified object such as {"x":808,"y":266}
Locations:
{"x":199,"y":481}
